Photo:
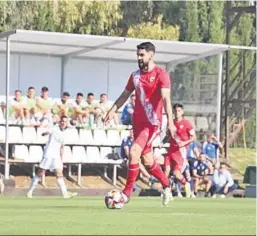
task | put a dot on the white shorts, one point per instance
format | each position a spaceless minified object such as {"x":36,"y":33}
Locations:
{"x":51,"y":163}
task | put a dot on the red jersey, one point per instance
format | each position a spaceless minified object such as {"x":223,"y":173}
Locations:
{"x":149,"y":104}
{"x":184,"y":130}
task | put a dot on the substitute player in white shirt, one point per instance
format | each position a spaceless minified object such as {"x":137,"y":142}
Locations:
{"x":52,"y":158}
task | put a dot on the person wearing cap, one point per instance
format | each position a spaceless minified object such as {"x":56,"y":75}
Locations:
{"x":44,"y":105}
{"x":62,"y":107}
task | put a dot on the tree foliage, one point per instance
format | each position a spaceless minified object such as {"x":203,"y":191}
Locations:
{"x":155,"y":30}
{"x":194,"y":21}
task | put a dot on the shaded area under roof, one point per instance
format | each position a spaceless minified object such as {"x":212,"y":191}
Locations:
{"x":93,"y":46}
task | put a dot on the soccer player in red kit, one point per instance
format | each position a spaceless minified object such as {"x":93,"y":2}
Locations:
{"x":151,"y":84}
{"x":176,"y":158}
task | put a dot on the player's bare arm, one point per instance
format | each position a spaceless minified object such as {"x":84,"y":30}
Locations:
{"x":117,"y":105}
{"x":126,"y":149}
{"x":218,"y":142}
{"x":79,"y":111}
{"x":39,"y":103}
{"x":184,"y":143}
{"x":168,"y":109}
{"x":196,"y":152}
{"x":195,"y":175}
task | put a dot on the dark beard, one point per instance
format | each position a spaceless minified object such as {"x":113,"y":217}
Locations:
{"x":142,"y":65}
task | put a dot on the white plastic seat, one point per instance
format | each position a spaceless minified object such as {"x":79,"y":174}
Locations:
{"x":124,"y":134}
{"x":71,"y":136}
{"x":113,"y":137}
{"x":2,"y":134}
{"x":67,"y":154}
{"x":78,"y":154}
{"x":104,"y":151}
{"x":86,"y":137}
{"x":20,"y":152}
{"x":156,"y":141}
{"x":15,"y":135}
{"x":35,"y":154}
{"x":100,"y":137}
{"x":29,"y":135}
{"x":93,"y":155}
{"x":40,"y":138}
{"x":117,"y":162}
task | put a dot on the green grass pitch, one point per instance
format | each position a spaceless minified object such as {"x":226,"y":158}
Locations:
{"x":88,"y":215}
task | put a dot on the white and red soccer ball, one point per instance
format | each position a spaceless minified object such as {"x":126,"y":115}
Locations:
{"x":114,"y":200}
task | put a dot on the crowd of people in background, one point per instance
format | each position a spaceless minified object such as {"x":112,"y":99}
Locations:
{"x":203,"y":168}
{"x":44,"y":111}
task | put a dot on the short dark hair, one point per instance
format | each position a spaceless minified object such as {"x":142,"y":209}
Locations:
{"x":80,"y":94}
{"x":64,"y":117}
{"x":66,"y":94}
{"x":103,"y":94}
{"x":177,"y":105}
{"x":31,"y":88}
{"x":90,"y":94}
{"x":148,"y":46}
{"x":44,"y":88}
{"x":17,"y":90}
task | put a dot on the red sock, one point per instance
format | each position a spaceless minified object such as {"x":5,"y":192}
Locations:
{"x":182,"y":180}
{"x":133,"y":170}
{"x":156,"y":171}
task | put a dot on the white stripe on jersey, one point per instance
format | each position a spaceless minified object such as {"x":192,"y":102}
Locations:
{"x":148,"y":107}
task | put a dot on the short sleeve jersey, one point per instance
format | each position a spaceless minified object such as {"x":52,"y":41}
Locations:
{"x":147,"y":86}
{"x":184,"y":130}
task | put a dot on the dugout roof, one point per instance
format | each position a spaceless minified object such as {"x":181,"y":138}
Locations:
{"x":107,"y":47}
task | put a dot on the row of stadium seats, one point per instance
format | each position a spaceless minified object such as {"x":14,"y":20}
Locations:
{"x":73,"y":136}
{"x":200,"y":123}
{"x":76,"y":154}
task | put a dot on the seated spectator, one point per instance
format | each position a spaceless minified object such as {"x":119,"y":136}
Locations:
{"x":200,"y":173}
{"x":44,"y":105}
{"x":211,"y":146}
{"x":126,"y":145}
{"x":80,"y":111}
{"x":62,"y":107}
{"x":223,"y":182}
{"x":91,"y":104}
{"x":127,"y":113}
{"x":18,"y":105}
{"x":102,"y":108}
{"x":30,"y":104}
{"x":125,"y":149}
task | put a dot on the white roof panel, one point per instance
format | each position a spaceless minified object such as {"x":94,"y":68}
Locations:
{"x":118,"y":48}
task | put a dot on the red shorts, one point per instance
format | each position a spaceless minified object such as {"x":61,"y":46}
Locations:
{"x":176,"y":159}
{"x":144,"y":136}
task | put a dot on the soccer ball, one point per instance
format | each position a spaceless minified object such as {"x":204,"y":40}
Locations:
{"x":114,"y":200}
